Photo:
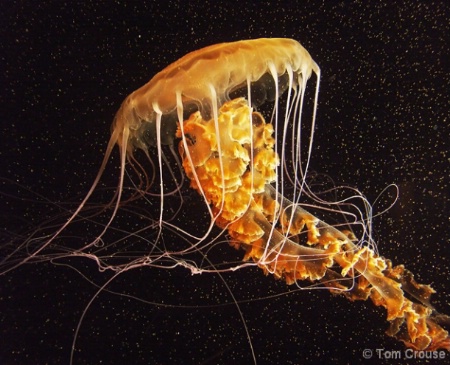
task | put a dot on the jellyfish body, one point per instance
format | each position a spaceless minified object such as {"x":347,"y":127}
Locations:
{"x":236,"y":111}
{"x":236,"y":162}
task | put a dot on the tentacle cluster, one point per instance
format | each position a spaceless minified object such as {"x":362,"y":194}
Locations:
{"x":232,"y":163}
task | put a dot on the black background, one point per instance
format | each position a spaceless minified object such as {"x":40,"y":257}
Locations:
{"x":383,"y":118}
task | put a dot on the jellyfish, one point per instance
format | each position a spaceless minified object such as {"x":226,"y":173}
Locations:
{"x":232,"y":116}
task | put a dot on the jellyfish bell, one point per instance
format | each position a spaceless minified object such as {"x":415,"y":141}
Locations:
{"x":204,"y":79}
{"x":236,"y":113}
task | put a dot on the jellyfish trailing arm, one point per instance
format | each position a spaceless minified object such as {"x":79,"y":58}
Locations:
{"x":231,"y":162}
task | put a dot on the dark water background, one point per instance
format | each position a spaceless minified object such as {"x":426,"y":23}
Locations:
{"x":383,"y":118}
